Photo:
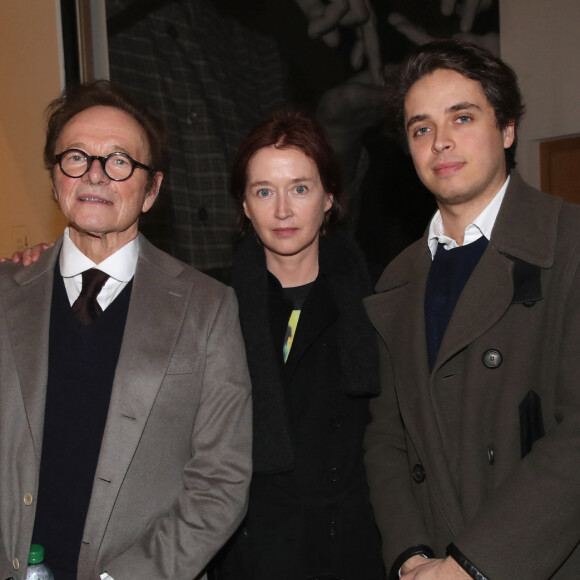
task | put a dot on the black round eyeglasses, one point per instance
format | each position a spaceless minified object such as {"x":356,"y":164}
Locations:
{"x":116,"y":166}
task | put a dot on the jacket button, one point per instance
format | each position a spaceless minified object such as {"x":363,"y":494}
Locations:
{"x":490,"y":455}
{"x":16,"y":563}
{"x":27,"y":499}
{"x":418,"y":473}
{"x":492,"y":358}
{"x":334,"y":474}
{"x":332,"y":528}
{"x":337,"y":421}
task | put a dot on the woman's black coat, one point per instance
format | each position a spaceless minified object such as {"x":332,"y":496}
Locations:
{"x":309,"y":515}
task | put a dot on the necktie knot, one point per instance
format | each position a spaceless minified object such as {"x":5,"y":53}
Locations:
{"x":86,"y":308}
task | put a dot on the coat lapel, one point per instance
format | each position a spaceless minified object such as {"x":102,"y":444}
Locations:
{"x":159,"y":300}
{"x":402,"y":327}
{"x":399,"y":307}
{"x":399,"y":317}
{"x":485,"y":298}
{"x":28,"y":308}
{"x":515,"y":252}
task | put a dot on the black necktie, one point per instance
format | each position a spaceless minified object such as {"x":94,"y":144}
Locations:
{"x":86,"y":307}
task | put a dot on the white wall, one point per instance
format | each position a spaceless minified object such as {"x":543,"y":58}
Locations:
{"x":31,"y":72}
{"x":540,"y":39}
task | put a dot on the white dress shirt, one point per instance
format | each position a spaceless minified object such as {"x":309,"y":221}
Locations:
{"x":120,"y":267}
{"x":482,"y":225}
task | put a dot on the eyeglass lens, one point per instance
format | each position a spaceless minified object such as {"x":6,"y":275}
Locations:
{"x":117,"y":166}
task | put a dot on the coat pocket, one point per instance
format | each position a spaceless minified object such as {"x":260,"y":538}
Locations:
{"x":531,"y":421}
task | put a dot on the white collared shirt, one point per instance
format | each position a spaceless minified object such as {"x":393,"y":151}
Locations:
{"x":482,"y":225}
{"x":120,"y":267}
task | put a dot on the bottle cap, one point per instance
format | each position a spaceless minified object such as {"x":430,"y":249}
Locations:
{"x":36,"y":554}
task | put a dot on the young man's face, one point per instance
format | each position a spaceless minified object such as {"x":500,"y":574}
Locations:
{"x":455,"y":143}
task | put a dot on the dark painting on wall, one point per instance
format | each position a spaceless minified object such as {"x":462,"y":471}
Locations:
{"x":214,"y":68}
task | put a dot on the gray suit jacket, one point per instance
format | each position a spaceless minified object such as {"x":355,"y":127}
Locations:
{"x":457,"y":454}
{"x":175,"y":461}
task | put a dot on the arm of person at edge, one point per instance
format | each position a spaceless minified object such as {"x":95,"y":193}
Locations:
{"x":28,"y":255}
{"x":325,"y":18}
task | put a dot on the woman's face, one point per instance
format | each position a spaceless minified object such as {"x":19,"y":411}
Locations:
{"x":285,"y":201}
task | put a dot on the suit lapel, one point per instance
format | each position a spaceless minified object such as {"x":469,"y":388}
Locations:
{"x":159,"y":300}
{"x":28,"y":307}
{"x":485,"y":298}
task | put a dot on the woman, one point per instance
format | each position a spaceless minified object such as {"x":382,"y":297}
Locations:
{"x":312,"y":359}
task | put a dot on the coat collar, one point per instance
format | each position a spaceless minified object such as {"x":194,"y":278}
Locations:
{"x":527,"y":224}
{"x":525,"y":229}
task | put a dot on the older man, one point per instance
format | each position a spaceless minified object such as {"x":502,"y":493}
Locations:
{"x":125,"y":400}
{"x":474,"y":447}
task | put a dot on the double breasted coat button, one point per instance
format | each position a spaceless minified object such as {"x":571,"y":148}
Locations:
{"x":418,"y":473}
{"x":492,"y":358}
{"x":16,"y":563}
{"x":27,"y":499}
{"x":490,"y":455}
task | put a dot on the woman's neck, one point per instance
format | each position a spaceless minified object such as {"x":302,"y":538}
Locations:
{"x":292,"y":271}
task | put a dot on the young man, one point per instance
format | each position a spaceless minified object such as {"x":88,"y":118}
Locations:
{"x":473,"y":450}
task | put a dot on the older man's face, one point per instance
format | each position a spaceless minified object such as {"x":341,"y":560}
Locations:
{"x":93,"y":204}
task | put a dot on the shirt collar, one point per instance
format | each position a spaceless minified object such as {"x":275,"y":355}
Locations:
{"x":482,"y":225}
{"x":121,"y":265}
